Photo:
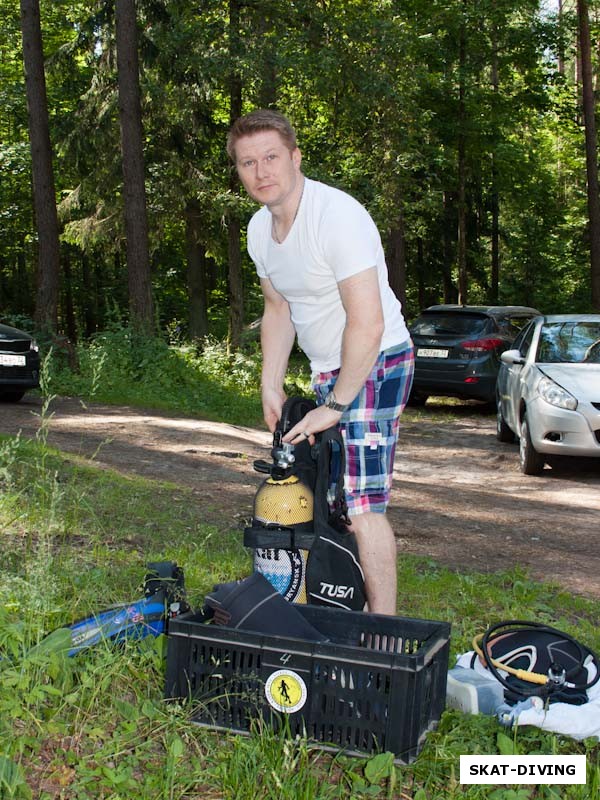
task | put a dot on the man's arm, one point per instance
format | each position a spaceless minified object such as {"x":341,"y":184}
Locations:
{"x":361,"y":343}
{"x":277,"y":337}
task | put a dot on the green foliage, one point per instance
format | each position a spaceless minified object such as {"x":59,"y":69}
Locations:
{"x":373,"y":88}
{"x":204,"y":379}
{"x":12,"y":780}
{"x":120,"y":366}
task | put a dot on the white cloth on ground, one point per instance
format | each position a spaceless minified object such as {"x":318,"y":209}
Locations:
{"x":578,"y":722}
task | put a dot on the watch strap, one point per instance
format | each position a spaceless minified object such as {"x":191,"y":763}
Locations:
{"x":332,"y":403}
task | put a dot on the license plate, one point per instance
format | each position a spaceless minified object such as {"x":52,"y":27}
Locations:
{"x":11,"y":361}
{"x":431,"y":352}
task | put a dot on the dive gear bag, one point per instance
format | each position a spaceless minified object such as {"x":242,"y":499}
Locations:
{"x":532,"y":659}
{"x":300,"y":533}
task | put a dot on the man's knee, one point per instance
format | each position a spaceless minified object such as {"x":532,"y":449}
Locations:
{"x":372,"y":525}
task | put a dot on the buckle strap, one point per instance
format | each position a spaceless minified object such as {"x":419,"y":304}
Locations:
{"x":279,"y":538}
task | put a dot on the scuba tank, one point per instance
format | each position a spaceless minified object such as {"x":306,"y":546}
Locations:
{"x":285,"y":502}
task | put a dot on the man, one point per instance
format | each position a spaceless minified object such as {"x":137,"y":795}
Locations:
{"x":322,"y":271}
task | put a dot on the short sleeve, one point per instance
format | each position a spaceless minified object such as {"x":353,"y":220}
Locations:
{"x":351,"y":241}
{"x":256,"y":244}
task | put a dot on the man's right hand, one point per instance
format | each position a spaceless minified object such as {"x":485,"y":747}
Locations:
{"x":272,"y":403}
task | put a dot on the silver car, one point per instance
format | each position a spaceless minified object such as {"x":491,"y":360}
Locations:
{"x":548,"y":391}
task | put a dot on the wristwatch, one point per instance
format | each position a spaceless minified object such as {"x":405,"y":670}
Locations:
{"x":330,"y":402}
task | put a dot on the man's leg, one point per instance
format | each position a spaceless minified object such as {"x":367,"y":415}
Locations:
{"x":370,"y":430}
{"x":378,"y":558}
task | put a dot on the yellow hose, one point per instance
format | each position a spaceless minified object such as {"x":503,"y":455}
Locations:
{"x":522,"y":674}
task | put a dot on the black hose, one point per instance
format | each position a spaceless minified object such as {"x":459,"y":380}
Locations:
{"x":294,"y":409}
{"x":552,"y":686}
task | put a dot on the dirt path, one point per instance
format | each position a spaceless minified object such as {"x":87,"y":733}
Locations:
{"x":458,"y":497}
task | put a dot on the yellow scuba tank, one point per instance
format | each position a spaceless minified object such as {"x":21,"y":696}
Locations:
{"x":283,"y":501}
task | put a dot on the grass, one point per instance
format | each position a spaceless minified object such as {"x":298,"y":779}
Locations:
{"x":119,"y":367}
{"x":75,"y":538}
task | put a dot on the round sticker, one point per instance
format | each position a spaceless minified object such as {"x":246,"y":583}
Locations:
{"x":284,"y":569}
{"x":285,"y":691}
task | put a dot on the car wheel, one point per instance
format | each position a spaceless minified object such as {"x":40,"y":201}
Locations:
{"x":532,"y":462}
{"x":417,"y":400}
{"x":11,"y":397}
{"x":503,"y":432}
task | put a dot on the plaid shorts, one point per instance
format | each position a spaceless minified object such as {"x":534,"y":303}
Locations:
{"x":370,"y":427}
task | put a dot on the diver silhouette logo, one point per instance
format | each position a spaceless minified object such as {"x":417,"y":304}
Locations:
{"x":285,"y":691}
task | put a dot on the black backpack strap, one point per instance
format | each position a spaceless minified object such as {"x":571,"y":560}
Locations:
{"x":336,"y":512}
{"x":278,"y":538}
{"x":294,"y":409}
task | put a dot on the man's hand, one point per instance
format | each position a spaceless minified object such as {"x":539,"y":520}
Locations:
{"x":317,"y":420}
{"x":272,"y":403}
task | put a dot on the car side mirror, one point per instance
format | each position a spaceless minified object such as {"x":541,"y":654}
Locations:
{"x":512,"y":357}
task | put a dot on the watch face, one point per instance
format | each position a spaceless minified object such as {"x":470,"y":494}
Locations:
{"x":330,"y":402}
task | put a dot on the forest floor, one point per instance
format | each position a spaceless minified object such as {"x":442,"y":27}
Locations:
{"x":458,"y":495}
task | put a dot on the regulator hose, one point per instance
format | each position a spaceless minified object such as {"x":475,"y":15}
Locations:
{"x":542,"y":685}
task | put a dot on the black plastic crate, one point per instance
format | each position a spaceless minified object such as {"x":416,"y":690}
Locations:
{"x":377,"y":684}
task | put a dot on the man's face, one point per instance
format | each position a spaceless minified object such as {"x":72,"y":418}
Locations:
{"x":268,"y":170}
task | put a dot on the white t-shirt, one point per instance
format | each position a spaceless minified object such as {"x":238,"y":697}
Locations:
{"x":332,"y":238}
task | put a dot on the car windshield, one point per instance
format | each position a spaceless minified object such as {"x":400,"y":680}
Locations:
{"x":569,"y":342}
{"x":449,"y":324}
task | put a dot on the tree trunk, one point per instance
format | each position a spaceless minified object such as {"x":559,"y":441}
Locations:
{"x":22,"y":293}
{"x":462,"y":179}
{"x":423,"y":298}
{"x":90,"y":302}
{"x":589,"y":112}
{"x":235,"y":285}
{"x":448,"y":247}
{"x":561,"y":46}
{"x":44,"y":196}
{"x":134,"y":193}
{"x":70,"y":324}
{"x":494,"y":197}
{"x":396,"y":258}
{"x":4,"y":294}
{"x":267,"y":97}
{"x":236,"y":290}
{"x":196,"y":273}
{"x":495,"y":272}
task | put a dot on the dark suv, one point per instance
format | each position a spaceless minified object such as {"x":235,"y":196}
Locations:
{"x":457,"y":349}
{"x":19,"y":364}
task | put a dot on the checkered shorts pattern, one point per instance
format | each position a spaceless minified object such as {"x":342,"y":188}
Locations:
{"x":370,"y":427}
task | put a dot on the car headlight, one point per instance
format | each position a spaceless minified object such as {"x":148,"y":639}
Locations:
{"x":33,"y":345}
{"x":555,"y":395}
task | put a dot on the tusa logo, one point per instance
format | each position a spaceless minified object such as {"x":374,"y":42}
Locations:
{"x":341,"y":592}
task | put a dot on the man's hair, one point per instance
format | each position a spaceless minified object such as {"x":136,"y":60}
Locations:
{"x":263,"y":119}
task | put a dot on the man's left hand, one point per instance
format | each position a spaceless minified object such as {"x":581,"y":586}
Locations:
{"x":317,"y":420}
